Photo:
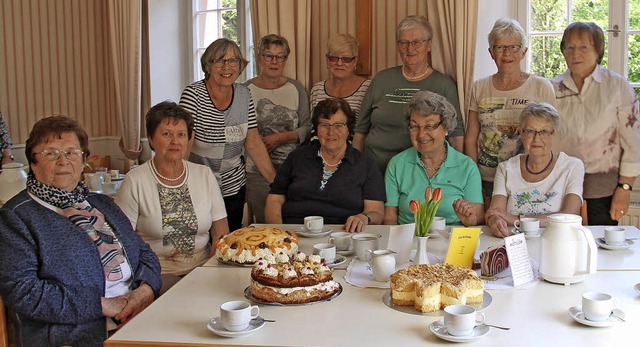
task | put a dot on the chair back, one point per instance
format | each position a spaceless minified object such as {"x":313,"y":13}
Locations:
{"x":4,"y":331}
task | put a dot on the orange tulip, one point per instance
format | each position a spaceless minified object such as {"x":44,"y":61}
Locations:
{"x":437,"y":195}
{"x":428,"y":194}
{"x":414,"y":206}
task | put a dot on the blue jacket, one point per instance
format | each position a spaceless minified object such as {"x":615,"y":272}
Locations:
{"x":51,"y":276}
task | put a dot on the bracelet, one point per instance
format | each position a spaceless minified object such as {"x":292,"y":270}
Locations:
{"x":368,"y":218}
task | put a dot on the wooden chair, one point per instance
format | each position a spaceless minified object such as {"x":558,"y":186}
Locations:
{"x":583,"y":213}
{"x":4,"y":331}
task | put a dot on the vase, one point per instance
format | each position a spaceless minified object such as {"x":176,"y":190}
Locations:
{"x":421,"y":253}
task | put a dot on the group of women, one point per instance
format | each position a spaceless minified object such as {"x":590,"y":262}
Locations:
{"x":357,"y":153}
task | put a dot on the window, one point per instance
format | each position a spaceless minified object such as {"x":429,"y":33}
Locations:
{"x":213,"y":19}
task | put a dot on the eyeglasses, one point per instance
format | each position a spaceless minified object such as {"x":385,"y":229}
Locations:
{"x":231,"y":61}
{"x":415,"y":128}
{"x":270,"y":57}
{"x":531,"y":133}
{"x":345,"y":60}
{"x":510,"y":48}
{"x":581,"y":48}
{"x":69,"y":153}
{"x":415,"y":44}
{"x":336,"y":126}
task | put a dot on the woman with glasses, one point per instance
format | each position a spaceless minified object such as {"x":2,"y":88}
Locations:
{"x":382,"y":130}
{"x":600,"y":123}
{"x":497,"y":100}
{"x":282,"y":111}
{"x":71,"y":266}
{"x":225,"y":125}
{"x":341,"y":59}
{"x":328,"y":177}
{"x":539,"y":182}
{"x":432,"y":161}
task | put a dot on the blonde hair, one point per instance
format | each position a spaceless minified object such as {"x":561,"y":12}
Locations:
{"x":343,"y":43}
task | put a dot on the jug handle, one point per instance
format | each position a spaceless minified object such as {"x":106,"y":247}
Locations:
{"x":592,"y":254}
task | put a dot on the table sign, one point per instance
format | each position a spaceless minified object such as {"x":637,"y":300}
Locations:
{"x":462,"y":246}
{"x":519,"y":262}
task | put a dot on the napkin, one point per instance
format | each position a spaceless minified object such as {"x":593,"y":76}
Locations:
{"x":504,"y":280}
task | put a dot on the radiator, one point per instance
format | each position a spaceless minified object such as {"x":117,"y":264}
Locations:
{"x":633,"y":217}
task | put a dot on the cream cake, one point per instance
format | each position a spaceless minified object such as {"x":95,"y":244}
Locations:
{"x":247,"y":245}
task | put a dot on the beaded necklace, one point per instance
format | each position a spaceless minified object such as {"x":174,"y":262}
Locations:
{"x":155,"y":171}
{"x":526,"y":165}
{"x":415,"y":77}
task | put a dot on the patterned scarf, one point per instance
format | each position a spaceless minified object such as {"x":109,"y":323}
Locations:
{"x":75,"y":207}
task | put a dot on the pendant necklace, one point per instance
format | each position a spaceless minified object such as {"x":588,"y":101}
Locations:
{"x":526,"y":165}
{"x":155,"y":171}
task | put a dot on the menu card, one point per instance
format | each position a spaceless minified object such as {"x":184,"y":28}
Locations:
{"x":519,"y":262}
{"x":462,"y":246}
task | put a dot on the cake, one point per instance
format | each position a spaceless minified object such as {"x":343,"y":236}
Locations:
{"x":247,"y":245}
{"x":493,"y":260}
{"x":432,"y":287}
{"x":301,"y":280}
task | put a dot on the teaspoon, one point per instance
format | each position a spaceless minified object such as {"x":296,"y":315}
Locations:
{"x":503,"y":328}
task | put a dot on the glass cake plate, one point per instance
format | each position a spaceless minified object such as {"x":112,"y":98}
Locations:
{"x":386,"y":298}
{"x":233,"y":263}
{"x":248,"y":295}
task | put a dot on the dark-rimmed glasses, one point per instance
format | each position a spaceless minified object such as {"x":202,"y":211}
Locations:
{"x":345,"y":60}
{"x":531,"y":133}
{"x":336,"y":126}
{"x":510,"y":48}
{"x":54,"y":154}
{"x":230,"y":62}
{"x":415,"y":44}
{"x":270,"y":57}
{"x":415,"y":128}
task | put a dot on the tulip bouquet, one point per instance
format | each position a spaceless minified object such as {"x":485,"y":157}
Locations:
{"x":425,"y":212}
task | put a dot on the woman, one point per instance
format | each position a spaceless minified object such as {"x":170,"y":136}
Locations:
{"x":328,"y":177}
{"x":382,"y":128}
{"x":599,"y":125}
{"x":497,"y":100}
{"x":64,"y":273}
{"x":5,"y":143}
{"x":282,"y":108}
{"x":433,"y":162}
{"x":174,"y":205}
{"x":538,"y":183}
{"x":342,"y":58}
{"x":225,"y":125}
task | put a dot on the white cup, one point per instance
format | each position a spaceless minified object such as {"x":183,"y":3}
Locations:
{"x":614,"y":236}
{"x":527,"y":225}
{"x":383,"y":264}
{"x":365,"y":242}
{"x":439,"y":223}
{"x":236,"y":315}
{"x":313,"y":223}
{"x":326,"y":251}
{"x":597,"y":306}
{"x":341,"y":239}
{"x":459,"y":320}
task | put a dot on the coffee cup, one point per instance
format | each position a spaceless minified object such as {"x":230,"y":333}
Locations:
{"x":314,"y":223}
{"x":341,"y":239}
{"x":597,"y":306}
{"x":365,"y":242}
{"x":439,"y":223}
{"x":383,"y":264}
{"x":326,"y":251}
{"x":236,"y":315}
{"x":527,"y":225}
{"x":614,"y":236}
{"x":459,"y":320}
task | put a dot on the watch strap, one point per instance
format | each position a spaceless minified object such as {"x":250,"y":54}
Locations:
{"x":625,"y":186}
{"x":368,"y":218}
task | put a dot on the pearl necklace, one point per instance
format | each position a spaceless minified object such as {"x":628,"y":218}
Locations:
{"x":327,"y":164}
{"x":432,"y":169}
{"x":155,"y":171}
{"x":526,"y":165}
{"x":415,"y":77}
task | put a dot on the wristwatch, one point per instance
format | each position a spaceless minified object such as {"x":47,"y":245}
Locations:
{"x":368,"y":218}
{"x":625,"y":186}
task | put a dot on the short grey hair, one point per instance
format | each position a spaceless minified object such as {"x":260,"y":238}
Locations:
{"x":273,"y":40}
{"x":427,"y":103}
{"x":540,"y":110}
{"x":507,"y":28}
{"x":411,"y":22}
{"x":216,"y":50}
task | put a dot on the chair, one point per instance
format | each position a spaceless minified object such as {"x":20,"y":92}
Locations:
{"x":4,"y":331}
{"x":583,"y":213}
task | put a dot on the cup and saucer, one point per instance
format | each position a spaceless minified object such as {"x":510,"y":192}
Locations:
{"x":438,"y":328}
{"x":216,"y":327}
{"x":577,"y":314}
{"x":527,"y":234}
{"x":315,"y":233}
{"x":603,"y":244}
{"x":339,"y":260}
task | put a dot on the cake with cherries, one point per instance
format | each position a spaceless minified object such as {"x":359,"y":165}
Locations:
{"x":301,"y":280}
{"x":247,"y":245}
{"x":433,"y":287}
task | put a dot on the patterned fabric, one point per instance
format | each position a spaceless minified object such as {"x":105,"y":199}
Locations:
{"x":5,"y":139}
{"x":319,"y":93}
{"x":74,"y":206}
{"x":178,"y":220}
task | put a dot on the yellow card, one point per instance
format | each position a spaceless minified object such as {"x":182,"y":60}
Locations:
{"x":462,"y":246}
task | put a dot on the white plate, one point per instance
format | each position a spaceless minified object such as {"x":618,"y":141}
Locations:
{"x":338,"y":261}
{"x":386,"y":298}
{"x":529,"y":235}
{"x":576,"y":313}
{"x":600,"y":242}
{"x":233,"y":263}
{"x":440,"y":331}
{"x":306,"y":233}
{"x":215,"y":326}
{"x":637,"y":287}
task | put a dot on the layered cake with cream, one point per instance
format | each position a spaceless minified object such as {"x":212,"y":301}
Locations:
{"x":432,"y":287}
{"x":300,"y":280}
{"x":247,"y":245}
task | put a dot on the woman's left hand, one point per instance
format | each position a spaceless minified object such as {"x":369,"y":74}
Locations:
{"x":356,"y":223}
{"x":137,"y":300}
{"x":620,"y":204}
{"x":466,"y":212}
{"x":272,"y":142}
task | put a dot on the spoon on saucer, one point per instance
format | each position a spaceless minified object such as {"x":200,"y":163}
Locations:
{"x":497,"y":327}
{"x":637,"y":287}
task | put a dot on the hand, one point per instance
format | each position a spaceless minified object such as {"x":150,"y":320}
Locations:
{"x":466,"y":212}
{"x":112,"y":306}
{"x":499,"y":227}
{"x":137,"y":300}
{"x":356,"y":223}
{"x":620,"y":204}
{"x":272,"y":142}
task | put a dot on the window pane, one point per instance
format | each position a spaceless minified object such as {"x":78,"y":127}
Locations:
{"x":546,"y":58}
{"x":634,"y":52}
{"x":204,"y":5}
{"x":596,"y":11}
{"x":214,"y":25}
{"x":548,"y":15}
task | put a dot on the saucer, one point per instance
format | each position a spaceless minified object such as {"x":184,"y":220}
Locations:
{"x":440,"y":331}
{"x":215,"y":326}
{"x":338,"y":261}
{"x":576,"y":313}
{"x":637,"y":287}
{"x":313,"y":234}
{"x":529,"y":235}
{"x":347,"y":253}
{"x":600,"y":242}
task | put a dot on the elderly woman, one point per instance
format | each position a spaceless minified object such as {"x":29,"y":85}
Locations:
{"x":539,"y":182}
{"x":5,"y":142}
{"x":328,"y":177}
{"x":282,"y":108}
{"x":497,"y":100}
{"x":225,"y":125}
{"x":64,"y":273}
{"x":174,"y":205}
{"x":380,"y":129}
{"x":433,"y":162}
{"x":342,"y":58}
{"x":600,"y":124}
